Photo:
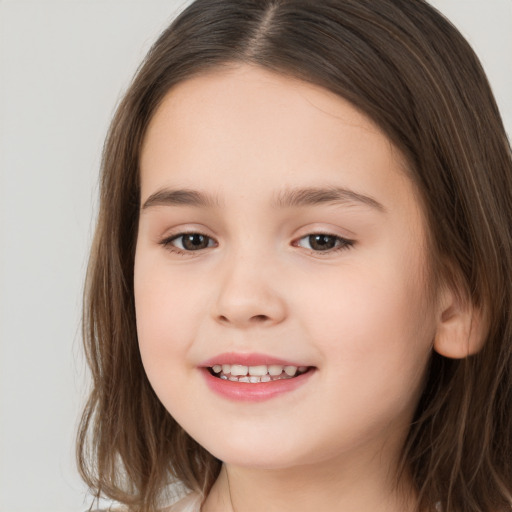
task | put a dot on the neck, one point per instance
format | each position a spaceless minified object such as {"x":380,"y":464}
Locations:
{"x":323,"y":486}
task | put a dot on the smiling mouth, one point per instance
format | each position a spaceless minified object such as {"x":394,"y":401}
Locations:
{"x":256,"y":374}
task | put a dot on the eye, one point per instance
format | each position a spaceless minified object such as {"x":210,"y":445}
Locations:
{"x":188,"y":242}
{"x":322,"y":242}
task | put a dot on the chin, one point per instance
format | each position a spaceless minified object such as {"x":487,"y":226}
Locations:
{"x":254,"y":453}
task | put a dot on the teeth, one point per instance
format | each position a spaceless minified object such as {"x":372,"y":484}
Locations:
{"x":238,"y":369}
{"x":254,"y":374}
{"x":275,"y":369}
{"x":290,"y":370}
{"x":258,"y":371}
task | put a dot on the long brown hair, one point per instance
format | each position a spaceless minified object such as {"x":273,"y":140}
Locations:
{"x":407,"y":68}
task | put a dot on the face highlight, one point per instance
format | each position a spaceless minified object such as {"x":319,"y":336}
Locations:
{"x":280,"y":284}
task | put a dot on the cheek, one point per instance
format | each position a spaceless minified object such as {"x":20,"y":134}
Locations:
{"x":165,"y":319}
{"x":161,"y":316}
{"x":373,"y":320}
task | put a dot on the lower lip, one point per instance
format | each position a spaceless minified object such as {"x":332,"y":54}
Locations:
{"x":257,"y":392}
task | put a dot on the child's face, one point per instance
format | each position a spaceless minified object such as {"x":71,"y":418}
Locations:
{"x":278,"y":162}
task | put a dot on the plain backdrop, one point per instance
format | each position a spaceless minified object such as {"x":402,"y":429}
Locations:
{"x":63,"y":67}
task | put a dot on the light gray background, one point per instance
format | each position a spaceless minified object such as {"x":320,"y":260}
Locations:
{"x":63,"y":67}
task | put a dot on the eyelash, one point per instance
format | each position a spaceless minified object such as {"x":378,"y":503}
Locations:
{"x":342,"y":243}
{"x":168,"y":243}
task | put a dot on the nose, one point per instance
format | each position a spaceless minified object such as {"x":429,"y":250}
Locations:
{"x":248,"y":294}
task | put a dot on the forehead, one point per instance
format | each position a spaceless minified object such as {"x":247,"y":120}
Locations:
{"x":244,"y":128}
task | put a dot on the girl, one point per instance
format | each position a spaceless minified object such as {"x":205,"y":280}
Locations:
{"x":299,"y":292}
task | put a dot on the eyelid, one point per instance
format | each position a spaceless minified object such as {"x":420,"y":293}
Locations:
{"x":167,"y":242}
{"x":343,"y":243}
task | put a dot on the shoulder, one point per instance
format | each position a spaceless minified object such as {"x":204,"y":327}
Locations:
{"x":190,"y":503}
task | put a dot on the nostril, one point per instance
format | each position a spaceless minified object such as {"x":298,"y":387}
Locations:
{"x":255,"y":318}
{"x":260,"y":318}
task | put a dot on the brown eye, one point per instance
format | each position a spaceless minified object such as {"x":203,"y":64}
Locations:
{"x":322,"y":242}
{"x":195,"y":241}
{"x":190,"y":242}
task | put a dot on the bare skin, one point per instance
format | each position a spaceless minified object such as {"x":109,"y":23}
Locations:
{"x":354,"y":311}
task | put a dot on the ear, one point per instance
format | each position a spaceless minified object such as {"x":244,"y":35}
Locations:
{"x":461,"y":330}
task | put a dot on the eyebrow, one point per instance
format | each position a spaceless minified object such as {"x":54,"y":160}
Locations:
{"x":308,"y":196}
{"x":313,"y":196}
{"x":180,"y":197}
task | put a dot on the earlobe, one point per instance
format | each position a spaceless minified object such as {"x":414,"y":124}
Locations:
{"x":461,"y":328}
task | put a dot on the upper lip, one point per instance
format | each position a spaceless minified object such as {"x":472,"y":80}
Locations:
{"x":251,"y":359}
